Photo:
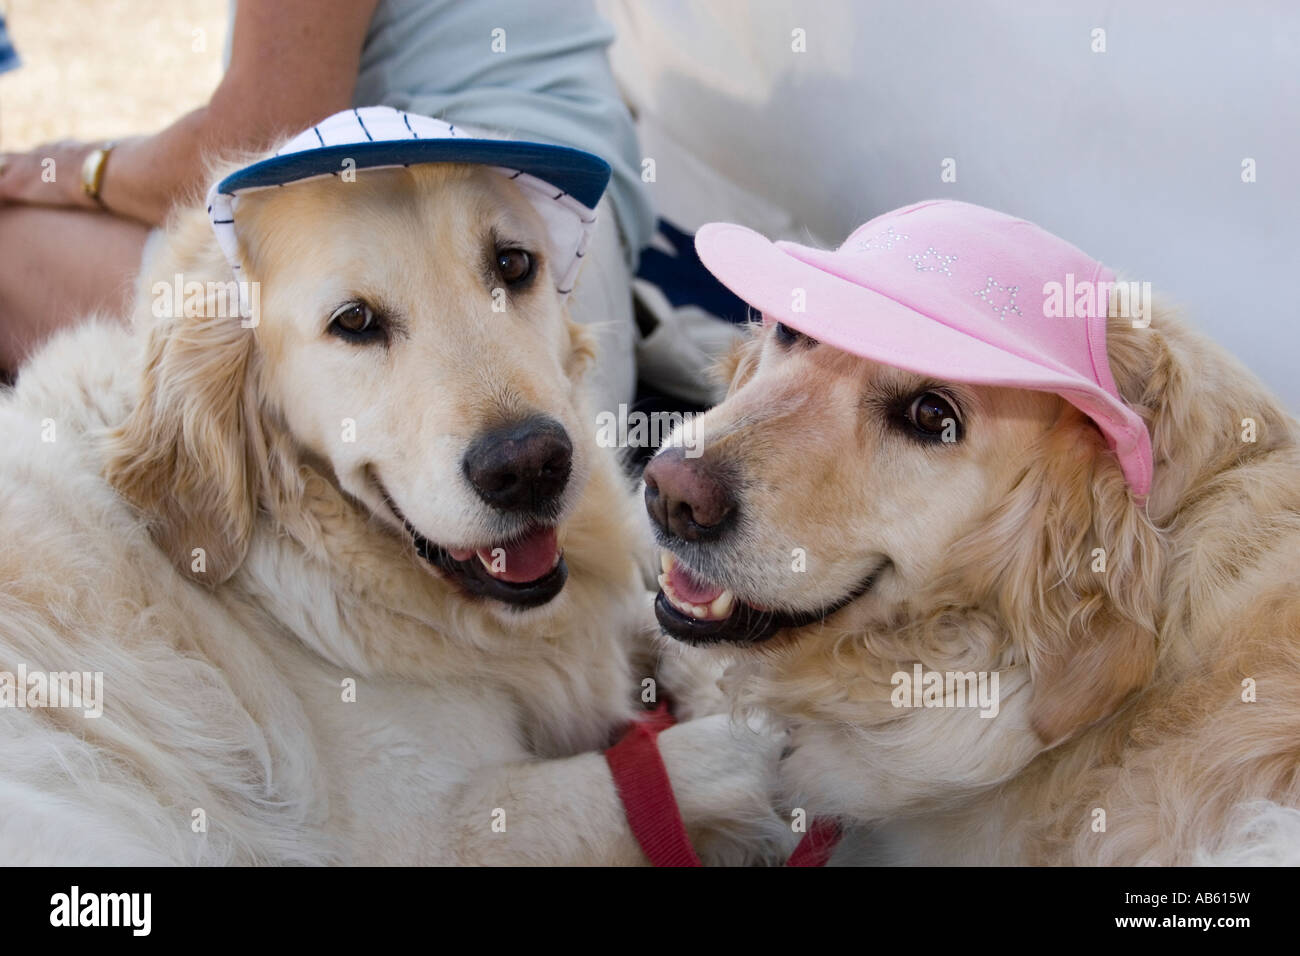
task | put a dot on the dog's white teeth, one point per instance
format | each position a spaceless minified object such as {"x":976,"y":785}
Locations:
{"x":486,"y":562}
{"x":555,"y":560}
{"x":721,"y":606}
{"x":666,"y":585}
{"x":718,"y":609}
{"x":666,"y":561}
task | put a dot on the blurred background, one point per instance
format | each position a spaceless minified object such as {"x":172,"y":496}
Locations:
{"x":102,"y":69}
{"x":1134,"y":154}
{"x":1129,"y":142}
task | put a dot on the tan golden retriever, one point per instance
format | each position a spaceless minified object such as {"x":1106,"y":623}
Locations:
{"x":357,"y":584}
{"x":1148,"y":658}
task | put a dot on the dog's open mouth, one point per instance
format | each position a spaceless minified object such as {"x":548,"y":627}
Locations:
{"x":699,"y":611}
{"x":528,"y":570}
{"x":525,"y":572}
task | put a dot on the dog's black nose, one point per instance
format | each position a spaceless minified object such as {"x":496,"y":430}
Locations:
{"x":523,"y":466}
{"x":685,"y":496}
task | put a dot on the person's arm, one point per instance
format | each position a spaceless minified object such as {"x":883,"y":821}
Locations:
{"x":292,"y":63}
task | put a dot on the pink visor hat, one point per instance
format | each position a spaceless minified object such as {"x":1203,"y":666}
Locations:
{"x":951,"y":290}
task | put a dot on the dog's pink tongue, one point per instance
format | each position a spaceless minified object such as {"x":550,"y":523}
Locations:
{"x":527,"y":559}
{"x":690,"y":588}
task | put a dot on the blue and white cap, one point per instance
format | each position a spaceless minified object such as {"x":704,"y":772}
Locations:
{"x":564,"y":185}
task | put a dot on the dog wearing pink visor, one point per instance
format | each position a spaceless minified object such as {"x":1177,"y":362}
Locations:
{"x":1008,"y":548}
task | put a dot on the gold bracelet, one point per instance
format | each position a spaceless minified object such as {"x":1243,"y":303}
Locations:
{"x":92,"y":171}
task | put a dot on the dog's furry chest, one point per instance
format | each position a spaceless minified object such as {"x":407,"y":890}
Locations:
{"x":568,"y":682}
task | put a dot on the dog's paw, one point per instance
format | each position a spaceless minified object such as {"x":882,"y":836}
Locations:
{"x":723,"y":774}
{"x":691,"y":678}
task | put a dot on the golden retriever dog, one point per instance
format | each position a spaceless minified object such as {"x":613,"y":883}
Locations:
{"x":1148,"y":655}
{"x":269,"y":557}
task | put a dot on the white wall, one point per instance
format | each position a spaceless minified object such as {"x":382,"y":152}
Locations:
{"x":1133,"y":154}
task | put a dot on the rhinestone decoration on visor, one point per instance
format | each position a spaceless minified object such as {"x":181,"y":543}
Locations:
{"x":888,"y":238}
{"x":941,"y":262}
{"x":991,"y":287}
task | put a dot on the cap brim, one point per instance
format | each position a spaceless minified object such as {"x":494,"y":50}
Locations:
{"x":579,"y":174}
{"x":865,"y":323}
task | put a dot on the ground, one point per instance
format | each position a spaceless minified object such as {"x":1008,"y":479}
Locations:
{"x":99,"y":69}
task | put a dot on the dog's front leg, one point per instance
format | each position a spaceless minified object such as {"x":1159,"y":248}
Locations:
{"x":568,"y":812}
{"x":562,"y":812}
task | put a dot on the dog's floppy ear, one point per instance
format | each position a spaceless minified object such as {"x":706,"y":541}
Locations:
{"x":187,"y":454}
{"x":1092,"y":573}
{"x":1075,"y":563}
{"x":1071,"y":566}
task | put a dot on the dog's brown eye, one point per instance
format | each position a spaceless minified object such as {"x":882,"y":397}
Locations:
{"x":356,"y":320}
{"x":933,"y":417}
{"x":514,"y":266}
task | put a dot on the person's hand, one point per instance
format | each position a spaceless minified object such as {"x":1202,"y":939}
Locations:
{"x":49,"y":175}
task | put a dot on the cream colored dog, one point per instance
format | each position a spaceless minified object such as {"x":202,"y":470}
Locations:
{"x":357,"y":582}
{"x":1148,"y":659}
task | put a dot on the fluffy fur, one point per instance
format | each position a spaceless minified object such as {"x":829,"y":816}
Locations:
{"x":187,"y":517}
{"x":1125,"y":733}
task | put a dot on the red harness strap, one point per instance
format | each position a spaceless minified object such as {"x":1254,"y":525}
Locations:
{"x":647,"y":794}
{"x":817,"y":844}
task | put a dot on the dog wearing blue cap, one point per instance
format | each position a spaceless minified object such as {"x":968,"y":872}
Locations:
{"x":332,"y":525}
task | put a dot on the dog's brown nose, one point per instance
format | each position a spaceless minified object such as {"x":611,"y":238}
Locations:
{"x":685,"y":497}
{"x":521,"y":467}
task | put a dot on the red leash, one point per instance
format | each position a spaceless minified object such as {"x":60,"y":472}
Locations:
{"x":647,"y":794}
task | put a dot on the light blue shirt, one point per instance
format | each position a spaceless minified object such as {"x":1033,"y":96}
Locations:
{"x":532,"y":70}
